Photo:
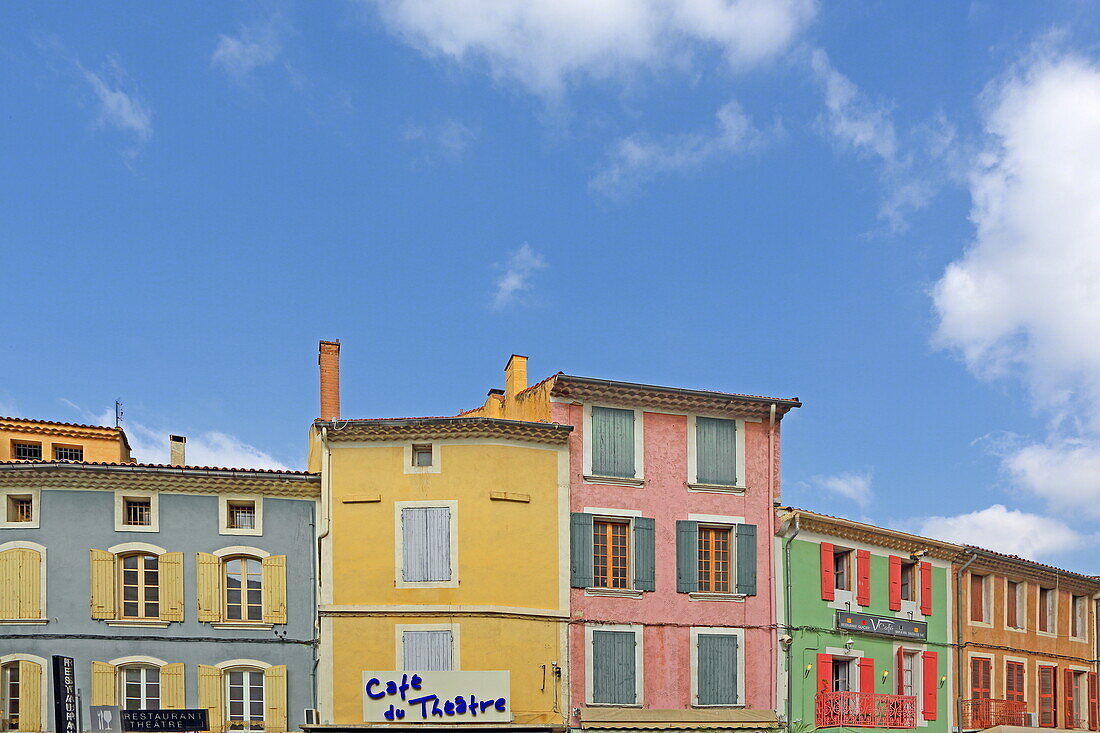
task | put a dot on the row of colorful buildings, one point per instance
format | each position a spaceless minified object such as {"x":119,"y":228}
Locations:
{"x":579,"y":553}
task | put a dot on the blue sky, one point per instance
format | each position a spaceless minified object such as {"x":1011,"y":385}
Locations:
{"x":886,"y":210}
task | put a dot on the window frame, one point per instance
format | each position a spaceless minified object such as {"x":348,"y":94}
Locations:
{"x":36,"y":507}
{"x":44,"y":682}
{"x":740,"y":484}
{"x":226,"y":688}
{"x":399,"y":642}
{"x":16,"y":442}
{"x":1078,"y":616}
{"x":408,"y":456}
{"x":913,"y":654}
{"x":1022,"y":663}
{"x":120,"y":568}
{"x":224,"y":502}
{"x":6,"y":669}
{"x":43,"y":575}
{"x":639,"y":448}
{"x":989,"y":660}
{"x":986,"y":619}
{"x":693,"y":635}
{"x":143,"y":667}
{"x":1050,"y":613}
{"x":1054,"y":690}
{"x":399,"y":545}
{"x":731,"y":553}
{"x":224,"y":581}
{"x":120,"y":511}
{"x":628,"y":524}
{"x":55,"y":447}
{"x":1020,"y":604}
{"x":639,"y":668}
{"x":846,"y":554}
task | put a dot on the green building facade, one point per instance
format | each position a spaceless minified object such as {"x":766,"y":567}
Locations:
{"x":865,"y":616}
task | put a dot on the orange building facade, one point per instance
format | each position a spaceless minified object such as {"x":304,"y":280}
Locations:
{"x":42,"y":440}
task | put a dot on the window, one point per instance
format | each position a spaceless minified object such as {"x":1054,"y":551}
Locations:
{"x":716,"y":451}
{"x":841,"y":575}
{"x":1046,"y":610}
{"x":26,"y":451}
{"x":9,"y":696}
{"x":614,"y":668}
{"x":427,"y":651}
{"x":241,"y":515}
{"x":908,"y":581}
{"x":1077,"y":617}
{"x":612,"y":442}
{"x":22,"y":568}
{"x":841,"y":679}
{"x":140,"y":587}
{"x":714,"y":559}
{"x":907,"y":675}
{"x":68,"y":453}
{"x":1014,"y":681}
{"x":137,"y":512}
{"x":981,"y":671}
{"x":1077,"y":715}
{"x":426,"y":544}
{"x":1048,"y":699}
{"x":977,"y":598}
{"x":422,"y":455}
{"x":610,"y":545}
{"x":243,"y":589}
{"x":716,"y":665}
{"x":245,"y":699}
{"x":1013,"y":605}
{"x":141,"y":688}
{"x":20,"y":508}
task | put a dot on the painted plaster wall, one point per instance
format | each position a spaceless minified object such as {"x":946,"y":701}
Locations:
{"x":668,"y":614}
{"x":73,"y":522}
{"x":810,"y":611}
{"x":99,"y":445}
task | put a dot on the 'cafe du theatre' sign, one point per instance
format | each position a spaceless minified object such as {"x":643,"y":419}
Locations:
{"x":899,"y":628}
{"x":436,"y":697}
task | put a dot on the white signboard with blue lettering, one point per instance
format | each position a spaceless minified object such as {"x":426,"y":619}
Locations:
{"x":436,"y":697}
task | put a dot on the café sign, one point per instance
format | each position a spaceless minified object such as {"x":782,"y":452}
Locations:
{"x":436,"y":697}
{"x":898,"y":628}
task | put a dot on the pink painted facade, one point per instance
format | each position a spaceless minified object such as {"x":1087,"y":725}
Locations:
{"x":666,"y":615}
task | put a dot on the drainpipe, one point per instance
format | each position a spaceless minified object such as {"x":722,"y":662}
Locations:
{"x":959,"y":642}
{"x":326,"y":524}
{"x":771,"y":542}
{"x":787,"y":613}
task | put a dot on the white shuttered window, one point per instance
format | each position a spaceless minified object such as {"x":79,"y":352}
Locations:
{"x":427,"y":651}
{"x":426,"y":537}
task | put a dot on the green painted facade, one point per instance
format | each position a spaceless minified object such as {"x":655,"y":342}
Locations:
{"x":811,"y":624}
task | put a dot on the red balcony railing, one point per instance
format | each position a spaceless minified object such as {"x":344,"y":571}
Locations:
{"x":986,"y":713}
{"x":866,"y":710}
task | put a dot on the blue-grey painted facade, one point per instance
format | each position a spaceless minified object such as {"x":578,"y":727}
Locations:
{"x":72,"y":522}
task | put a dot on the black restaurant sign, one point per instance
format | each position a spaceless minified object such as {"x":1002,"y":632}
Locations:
{"x":865,"y":623}
{"x":64,"y":695}
{"x":164,"y":720}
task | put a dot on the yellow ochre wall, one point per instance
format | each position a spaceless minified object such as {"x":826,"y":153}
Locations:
{"x":512,"y":564}
{"x":100,"y":444}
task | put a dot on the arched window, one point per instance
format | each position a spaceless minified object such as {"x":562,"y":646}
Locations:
{"x":140,"y":687}
{"x":21,"y":693}
{"x":243,"y":584}
{"x":9,"y":696}
{"x":244,"y":698}
{"x":140,"y":586}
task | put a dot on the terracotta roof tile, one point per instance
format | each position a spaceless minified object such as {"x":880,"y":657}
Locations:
{"x":157,"y":465}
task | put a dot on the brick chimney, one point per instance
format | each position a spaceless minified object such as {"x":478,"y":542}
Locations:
{"x":515,"y":376}
{"x":177,"y":445}
{"x":328,"y":357}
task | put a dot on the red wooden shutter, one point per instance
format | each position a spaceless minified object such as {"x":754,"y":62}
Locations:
{"x":863,"y":577}
{"x":900,"y":665}
{"x":1071,"y":721}
{"x":1014,"y":681}
{"x":1048,"y":709}
{"x":866,"y":674}
{"x":931,"y":671}
{"x":980,"y":678}
{"x":828,"y":580}
{"x":824,"y":673}
{"x":895,"y":583}
{"x":1092,"y":701}
{"x":926,"y":588}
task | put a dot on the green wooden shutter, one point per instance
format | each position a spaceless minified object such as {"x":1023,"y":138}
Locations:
{"x":612,"y":442}
{"x":715,"y":454}
{"x":746,"y":559}
{"x":717,"y":682}
{"x":644,"y":557}
{"x":580,"y":550}
{"x":687,"y":556}
{"x":613,"y":673}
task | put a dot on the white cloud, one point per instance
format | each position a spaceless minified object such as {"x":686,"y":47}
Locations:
{"x":545,"y":44}
{"x":117,"y":102}
{"x":1024,"y":299}
{"x":1006,"y":530}
{"x":853,"y":486}
{"x":516,"y":279}
{"x":851,"y":117}
{"x":638,"y":158}
{"x":252,"y":47}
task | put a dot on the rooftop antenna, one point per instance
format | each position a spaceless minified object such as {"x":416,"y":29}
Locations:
{"x":118,"y":413}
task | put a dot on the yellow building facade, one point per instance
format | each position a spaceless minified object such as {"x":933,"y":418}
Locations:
{"x":444,"y":547}
{"x":42,"y":440}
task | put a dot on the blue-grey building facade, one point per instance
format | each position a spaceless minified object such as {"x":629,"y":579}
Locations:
{"x":170,"y":587}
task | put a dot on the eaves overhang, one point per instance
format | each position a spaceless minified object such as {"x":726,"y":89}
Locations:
{"x":444,"y":428}
{"x":848,"y":529}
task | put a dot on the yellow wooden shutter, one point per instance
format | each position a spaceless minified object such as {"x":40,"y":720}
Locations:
{"x":171,"y":686}
{"x":9,"y":602}
{"x":20,"y":574}
{"x":103,"y":585}
{"x":30,"y":696}
{"x":171,"y":586}
{"x":275,"y":699}
{"x":209,"y":587}
{"x":210,"y":695}
{"x":104,"y":684}
{"x":274,"y":590}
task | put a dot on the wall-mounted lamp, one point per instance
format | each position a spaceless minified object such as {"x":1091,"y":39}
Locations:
{"x":885,"y":674}
{"x":849,"y":644}
{"x":807,"y":672}
{"x":942,"y":680}
{"x":918,"y":554}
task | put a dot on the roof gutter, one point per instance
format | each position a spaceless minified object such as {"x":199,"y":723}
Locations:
{"x":789,"y":403}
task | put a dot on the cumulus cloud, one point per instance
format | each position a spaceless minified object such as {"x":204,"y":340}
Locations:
{"x":545,"y":44}
{"x":1024,"y":299}
{"x":516,"y":279}
{"x":638,"y":158}
{"x":252,"y":47}
{"x":1006,"y":530}
{"x":853,"y":486}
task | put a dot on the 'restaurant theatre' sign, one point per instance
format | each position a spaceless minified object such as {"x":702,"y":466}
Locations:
{"x":865,"y":623}
{"x":436,"y":697}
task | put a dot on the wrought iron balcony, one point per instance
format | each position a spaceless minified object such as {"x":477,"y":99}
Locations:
{"x":988,"y":712}
{"x":866,"y":710}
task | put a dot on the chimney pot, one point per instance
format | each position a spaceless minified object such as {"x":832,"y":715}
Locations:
{"x":328,"y":358}
{"x":515,"y":376}
{"x":177,"y":445}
